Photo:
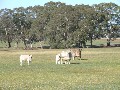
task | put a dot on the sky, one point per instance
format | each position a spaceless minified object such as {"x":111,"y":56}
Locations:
{"x":11,"y":4}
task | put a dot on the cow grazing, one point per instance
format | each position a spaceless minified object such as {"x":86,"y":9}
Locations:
{"x":27,"y":58}
{"x":76,"y":53}
{"x":63,"y":56}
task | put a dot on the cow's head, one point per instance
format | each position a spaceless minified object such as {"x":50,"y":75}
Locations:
{"x":58,"y":59}
{"x":30,"y":57}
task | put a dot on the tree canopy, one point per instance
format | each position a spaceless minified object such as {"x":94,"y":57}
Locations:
{"x":61,"y":25}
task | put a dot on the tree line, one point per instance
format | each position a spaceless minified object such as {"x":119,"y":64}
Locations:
{"x":61,"y":25}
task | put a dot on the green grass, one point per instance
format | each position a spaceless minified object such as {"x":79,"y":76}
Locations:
{"x":104,"y":42}
{"x":95,"y":42}
{"x":99,"y":69}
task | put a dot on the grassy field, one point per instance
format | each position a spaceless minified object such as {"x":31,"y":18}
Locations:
{"x":97,"y":42}
{"x":99,"y":69}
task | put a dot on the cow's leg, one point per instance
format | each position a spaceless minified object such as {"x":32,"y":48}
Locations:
{"x":61,"y":61}
{"x":66,"y":62}
{"x":20,"y":62}
{"x":56,"y":61}
{"x":73,"y":58}
{"x":28,"y":62}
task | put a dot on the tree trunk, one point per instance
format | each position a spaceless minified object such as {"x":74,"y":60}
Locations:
{"x":84,"y":44}
{"x":31,"y":45}
{"x":25,"y":44}
{"x":17,"y":44}
{"x":9,"y":44}
{"x":108,"y":42}
{"x":91,"y":42}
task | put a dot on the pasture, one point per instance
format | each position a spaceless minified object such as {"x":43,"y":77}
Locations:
{"x":99,"y":69}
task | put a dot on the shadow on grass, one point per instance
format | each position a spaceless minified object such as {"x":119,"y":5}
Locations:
{"x":74,"y":63}
{"x":83,"y":59}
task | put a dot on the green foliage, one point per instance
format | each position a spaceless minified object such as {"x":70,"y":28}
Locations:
{"x":60,"y":24}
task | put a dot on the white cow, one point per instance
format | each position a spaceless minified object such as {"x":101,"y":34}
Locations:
{"x":28,"y":58}
{"x":63,"y":56}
